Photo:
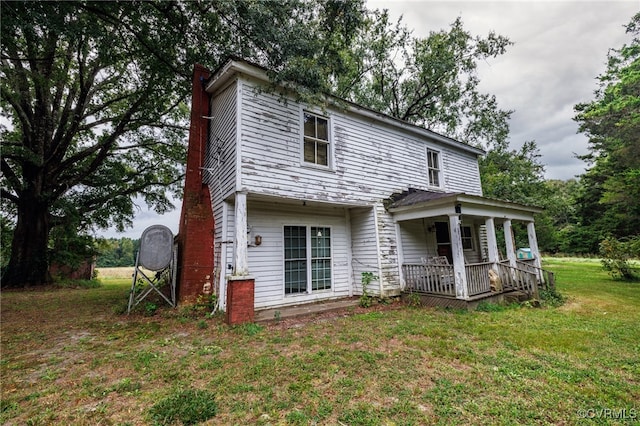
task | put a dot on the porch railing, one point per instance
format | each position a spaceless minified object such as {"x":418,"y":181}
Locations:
{"x":434,"y":279}
{"x":546,"y":279}
{"x":518,"y":279}
{"x":478,"y":278}
{"x":439,"y":279}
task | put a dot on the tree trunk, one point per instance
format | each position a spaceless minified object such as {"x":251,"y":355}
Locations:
{"x":28,"y":265}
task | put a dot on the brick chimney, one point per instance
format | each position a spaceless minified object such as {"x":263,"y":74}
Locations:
{"x":196,"y":231}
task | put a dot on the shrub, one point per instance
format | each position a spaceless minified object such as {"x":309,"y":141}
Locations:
{"x":616,"y":256}
{"x":551,"y":297}
{"x":189,"y":406}
{"x":366,"y":298}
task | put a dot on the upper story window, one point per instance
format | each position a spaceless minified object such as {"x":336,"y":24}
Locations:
{"x":316,"y":139}
{"x":433,"y":167}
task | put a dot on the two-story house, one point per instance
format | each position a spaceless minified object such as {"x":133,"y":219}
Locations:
{"x":290,"y":203}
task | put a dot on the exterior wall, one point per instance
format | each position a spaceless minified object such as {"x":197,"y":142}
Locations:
{"x":220,"y":176}
{"x":364,"y":247}
{"x":475,"y":255}
{"x":266,"y":261}
{"x":388,"y":246}
{"x":220,"y":163}
{"x":418,"y":242}
{"x":254,"y":146}
{"x":369,"y":161}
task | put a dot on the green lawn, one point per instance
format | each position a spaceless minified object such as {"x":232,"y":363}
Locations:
{"x":72,"y":357}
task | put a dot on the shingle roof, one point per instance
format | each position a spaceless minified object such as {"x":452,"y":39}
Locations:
{"x":416,"y":196}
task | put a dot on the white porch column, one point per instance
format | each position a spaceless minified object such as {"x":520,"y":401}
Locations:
{"x":533,"y":244}
{"x":510,"y":243}
{"x":492,"y":241}
{"x":240,"y":254}
{"x":224,"y":226}
{"x":462,"y":291}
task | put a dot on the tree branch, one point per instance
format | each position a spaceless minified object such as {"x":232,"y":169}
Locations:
{"x":9,"y":196}
{"x":10,"y":175}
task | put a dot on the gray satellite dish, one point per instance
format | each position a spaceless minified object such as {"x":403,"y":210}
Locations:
{"x":156,"y":248}
{"x":157,"y":254}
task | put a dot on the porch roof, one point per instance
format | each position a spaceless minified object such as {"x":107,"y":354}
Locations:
{"x":418,"y":203}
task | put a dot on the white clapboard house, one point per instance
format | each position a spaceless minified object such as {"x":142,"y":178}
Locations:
{"x":306,"y":199}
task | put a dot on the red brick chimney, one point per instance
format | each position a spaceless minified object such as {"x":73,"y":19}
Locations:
{"x":195,"y":235}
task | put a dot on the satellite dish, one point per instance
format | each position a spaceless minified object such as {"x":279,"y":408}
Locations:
{"x":156,"y":248}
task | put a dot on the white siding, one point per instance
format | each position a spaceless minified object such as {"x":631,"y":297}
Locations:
{"x":370,"y":161}
{"x":266,"y":261}
{"x":220,"y":173}
{"x":220,"y":163}
{"x":415,"y":245}
{"x":254,"y":146}
{"x":387,"y":237}
{"x":418,"y":242}
{"x":364,"y":247}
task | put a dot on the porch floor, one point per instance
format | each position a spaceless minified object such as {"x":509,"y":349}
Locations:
{"x":272,"y":314}
{"x":435,"y":300}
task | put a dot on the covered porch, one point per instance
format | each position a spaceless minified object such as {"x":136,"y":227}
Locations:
{"x":448,"y":246}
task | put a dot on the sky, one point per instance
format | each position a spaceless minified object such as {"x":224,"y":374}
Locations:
{"x":560,"y":47}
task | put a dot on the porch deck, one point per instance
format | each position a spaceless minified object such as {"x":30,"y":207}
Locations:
{"x":485,"y":281}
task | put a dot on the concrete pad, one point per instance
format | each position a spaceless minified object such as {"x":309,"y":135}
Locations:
{"x":272,"y":314}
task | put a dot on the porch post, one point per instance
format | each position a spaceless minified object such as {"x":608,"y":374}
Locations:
{"x":533,"y":244}
{"x":510,"y":243}
{"x":240,"y":255}
{"x":240,"y":286}
{"x":492,"y":241}
{"x":462,"y":291}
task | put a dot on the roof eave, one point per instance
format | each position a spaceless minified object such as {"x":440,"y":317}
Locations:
{"x":235,"y":66}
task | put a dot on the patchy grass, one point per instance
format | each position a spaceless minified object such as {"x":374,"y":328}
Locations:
{"x":70,"y":357}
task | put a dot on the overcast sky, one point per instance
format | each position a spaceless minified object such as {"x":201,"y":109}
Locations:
{"x":560,"y":48}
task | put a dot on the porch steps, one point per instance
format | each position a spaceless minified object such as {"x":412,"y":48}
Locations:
{"x":274,"y":314}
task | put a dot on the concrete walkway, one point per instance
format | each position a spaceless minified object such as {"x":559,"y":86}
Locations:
{"x":274,"y":314}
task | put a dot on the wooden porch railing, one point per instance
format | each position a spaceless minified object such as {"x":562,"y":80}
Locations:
{"x":439,"y":279}
{"x":518,"y":279}
{"x":478,"y":278}
{"x":434,"y":279}
{"x":546,"y":279}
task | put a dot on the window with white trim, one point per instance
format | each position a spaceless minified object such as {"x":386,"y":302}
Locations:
{"x":433,"y":167}
{"x":467,"y":237}
{"x":316,"y":139}
{"x":307,"y":259}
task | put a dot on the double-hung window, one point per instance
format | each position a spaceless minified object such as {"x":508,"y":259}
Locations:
{"x":433,"y":167}
{"x":316,"y":139}
{"x":307,"y":259}
{"x":467,"y":237}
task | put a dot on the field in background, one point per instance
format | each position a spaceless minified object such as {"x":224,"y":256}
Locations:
{"x":118,"y":273}
{"x":115,"y":273}
{"x":72,"y":357}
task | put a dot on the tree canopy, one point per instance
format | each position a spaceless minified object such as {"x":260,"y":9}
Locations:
{"x":431,"y":82}
{"x":95,"y":96}
{"x":609,"y":203}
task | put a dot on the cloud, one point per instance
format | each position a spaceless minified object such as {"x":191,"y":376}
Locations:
{"x":560,"y":48}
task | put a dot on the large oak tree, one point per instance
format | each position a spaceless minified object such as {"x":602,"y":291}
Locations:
{"x":94,"y":97}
